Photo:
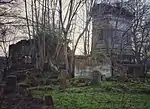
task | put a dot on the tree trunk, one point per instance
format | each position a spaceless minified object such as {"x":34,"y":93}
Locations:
{"x":66,"y":54}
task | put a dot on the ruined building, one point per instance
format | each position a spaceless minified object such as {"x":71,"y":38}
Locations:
{"x":25,"y":52}
{"x":111,"y":32}
{"x":19,"y":51}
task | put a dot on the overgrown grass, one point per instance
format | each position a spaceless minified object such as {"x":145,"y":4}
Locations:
{"x":108,"y":95}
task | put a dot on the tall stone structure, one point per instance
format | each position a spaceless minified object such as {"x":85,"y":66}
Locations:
{"x":111,"y":35}
{"x":111,"y":29}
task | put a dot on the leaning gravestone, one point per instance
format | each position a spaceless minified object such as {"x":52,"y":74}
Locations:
{"x":11,"y":84}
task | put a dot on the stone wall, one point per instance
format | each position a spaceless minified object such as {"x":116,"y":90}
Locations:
{"x":83,"y":69}
{"x":20,"y":50}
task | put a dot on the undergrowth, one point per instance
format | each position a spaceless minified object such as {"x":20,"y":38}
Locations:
{"x":107,"y":95}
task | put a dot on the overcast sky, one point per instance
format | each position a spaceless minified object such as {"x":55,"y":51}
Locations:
{"x":80,"y":47}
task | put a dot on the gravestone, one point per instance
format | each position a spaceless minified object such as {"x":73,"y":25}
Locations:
{"x":96,"y":77}
{"x":1,"y":75}
{"x":23,"y":88}
{"x":103,"y":77}
{"x":11,"y":84}
{"x":48,"y":102}
{"x":63,"y":79}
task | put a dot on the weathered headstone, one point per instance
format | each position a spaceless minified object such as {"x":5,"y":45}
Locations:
{"x":103,"y":77}
{"x":63,"y":79}
{"x":2,"y":86}
{"x":48,"y":102}
{"x":23,"y":88}
{"x":1,"y":75}
{"x":96,"y":77}
{"x":11,"y":84}
{"x":31,"y":79}
{"x":63,"y":83}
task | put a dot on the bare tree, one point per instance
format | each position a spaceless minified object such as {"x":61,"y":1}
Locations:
{"x":140,"y":33}
{"x":140,"y":29}
{"x":136,"y":36}
{"x":66,"y":20}
{"x":55,"y":19}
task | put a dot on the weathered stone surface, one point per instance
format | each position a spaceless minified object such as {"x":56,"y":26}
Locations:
{"x":103,"y":77}
{"x":63,"y":83}
{"x":11,"y":84}
{"x":96,"y":77}
{"x":48,"y":101}
{"x":81,"y":84}
{"x":1,"y":75}
{"x":23,"y":88}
